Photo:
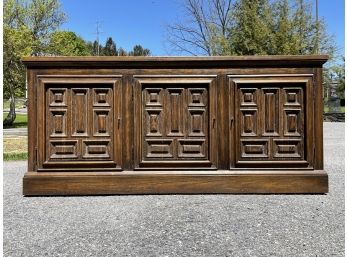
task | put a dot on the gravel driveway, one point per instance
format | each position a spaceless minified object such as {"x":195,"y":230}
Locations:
{"x":179,"y":225}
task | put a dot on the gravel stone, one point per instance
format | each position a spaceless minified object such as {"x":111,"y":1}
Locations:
{"x":179,"y":225}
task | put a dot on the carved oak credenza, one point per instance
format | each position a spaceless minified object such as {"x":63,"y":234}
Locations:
{"x":140,"y":125}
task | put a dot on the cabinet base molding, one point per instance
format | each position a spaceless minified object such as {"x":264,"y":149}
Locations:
{"x":175,"y":182}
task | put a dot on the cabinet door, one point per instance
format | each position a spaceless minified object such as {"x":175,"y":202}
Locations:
{"x":272,"y":121}
{"x":175,"y":122}
{"x":78,"y":122}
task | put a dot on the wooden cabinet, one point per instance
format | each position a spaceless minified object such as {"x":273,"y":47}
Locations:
{"x":273,"y":127}
{"x":125,"y":125}
{"x":175,"y":122}
{"x":76,"y":122}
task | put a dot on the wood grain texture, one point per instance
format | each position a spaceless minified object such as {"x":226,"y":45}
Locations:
{"x":124,"y":125}
{"x":213,"y":183}
{"x":174,"y":62}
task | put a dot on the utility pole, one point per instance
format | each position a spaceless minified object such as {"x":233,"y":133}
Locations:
{"x":98,"y":32}
{"x":317,"y":27}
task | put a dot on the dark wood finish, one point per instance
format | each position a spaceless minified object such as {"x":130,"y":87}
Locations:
{"x":271,"y":121}
{"x":175,"y":122}
{"x":124,"y":125}
{"x":91,"y":183}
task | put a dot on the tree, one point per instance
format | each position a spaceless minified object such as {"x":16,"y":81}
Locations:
{"x":335,"y":75}
{"x":109,"y":48}
{"x":205,"y":29}
{"x":122,"y":52}
{"x":138,"y":50}
{"x":249,"y":27}
{"x":43,"y":17}
{"x":16,"y":44}
{"x":67,"y":43}
{"x":27,"y":27}
{"x":297,"y":31}
{"x":96,"y":48}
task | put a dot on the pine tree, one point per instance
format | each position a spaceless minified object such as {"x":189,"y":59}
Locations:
{"x":97,"y":48}
{"x":122,"y":52}
{"x":285,"y":39}
{"x":251,"y":30}
{"x":138,"y":50}
{"x":110,"y":48}
{"x":255,"y":27}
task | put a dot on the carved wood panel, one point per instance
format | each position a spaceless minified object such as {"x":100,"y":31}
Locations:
{"x":269,"y":127}
{"x":79,"y":122}
{"x":174,"y":118}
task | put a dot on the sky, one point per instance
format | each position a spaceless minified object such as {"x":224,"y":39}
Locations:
{"x":131,"y":22}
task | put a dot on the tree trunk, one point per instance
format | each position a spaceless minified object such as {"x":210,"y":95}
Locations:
{"x":12,"y":114}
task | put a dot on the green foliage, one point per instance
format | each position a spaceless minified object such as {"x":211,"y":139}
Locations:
{"x":122,"y":52}
{"x":138,"y":50}
{"x":67,"y":43}
{"x":335,"y":75}
{"x":110,"y":48}
{"x":42,"y":18}
{"x":250,"y":27}
{"x":27,"y":28}
{"x":17,"y":43}
{"x":278,"y":27}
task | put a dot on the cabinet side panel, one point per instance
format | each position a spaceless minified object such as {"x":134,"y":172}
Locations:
{"x":32,"y":122}
{"x":318,"y":119}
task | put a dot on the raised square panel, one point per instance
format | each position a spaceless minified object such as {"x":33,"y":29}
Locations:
{"x":57,"y":124}
{"x":153,"y":97}
{"x":96,"y":149}
{"x":248,"y":97}
{"x":102,"y":97}
{"x":63,"y":149}
{"x":197,"y":97}
{"x":248,"y":122}
{"x":174,"y":108}
{"x":153,"y":122}
{"x":197,"y":122}
{"x":287,"y":148}
{"x":102,"y":122}
{"x":159,"y":148}
{"x":191,"y":148}
{"x":292,"y":123}
{"x":293,"y":96}
{"x":57,"y":96}
{"x":254,"y":148}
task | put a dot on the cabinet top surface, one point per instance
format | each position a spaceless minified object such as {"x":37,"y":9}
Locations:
{"x":171,"y":61}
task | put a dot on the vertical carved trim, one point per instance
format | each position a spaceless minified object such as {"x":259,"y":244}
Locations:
{"x":80,"y":111}
{"x":271,"y":111}
{"x":175,"y":112}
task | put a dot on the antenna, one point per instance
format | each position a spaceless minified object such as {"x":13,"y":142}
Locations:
{"x":98,"y":32}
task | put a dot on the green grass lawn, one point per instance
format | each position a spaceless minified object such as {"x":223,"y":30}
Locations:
{"x":20,"y":121}
{"x":15,"y":148}
{"x":341,"y":109}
